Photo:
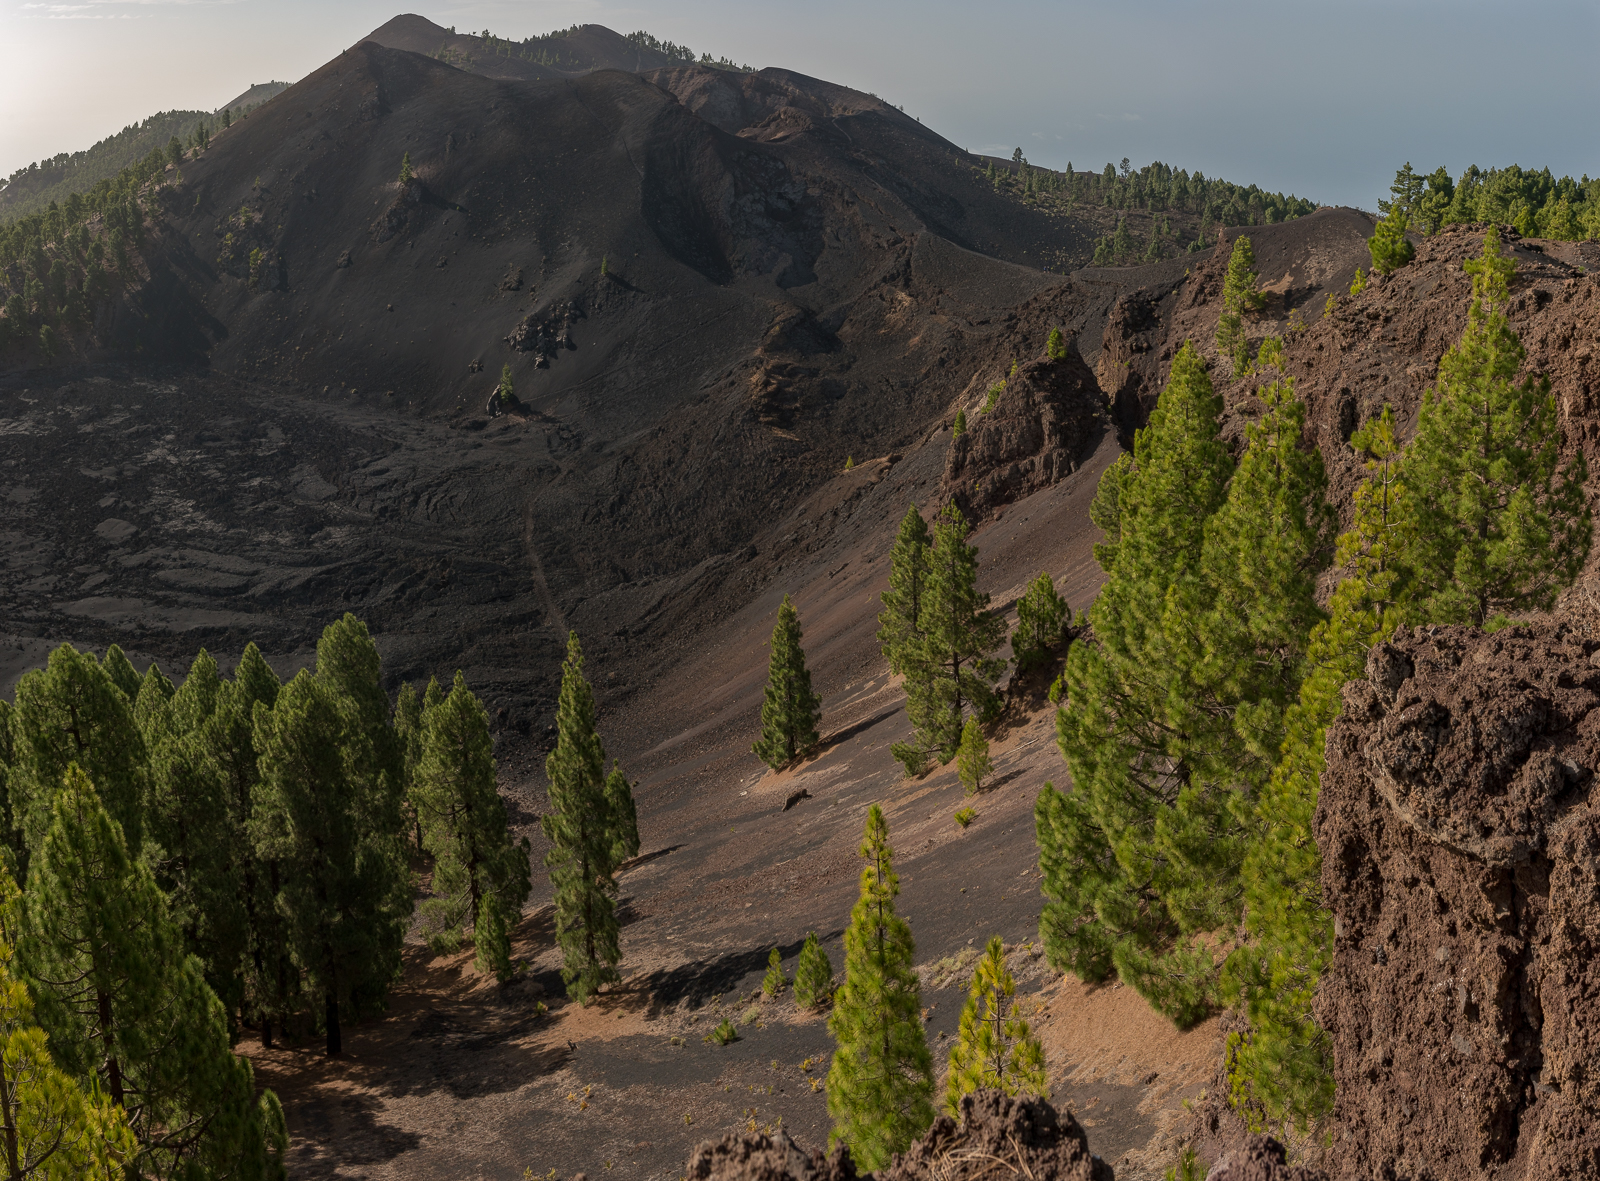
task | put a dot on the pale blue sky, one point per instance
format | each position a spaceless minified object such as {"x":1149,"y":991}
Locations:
{"x":1322,"y":99}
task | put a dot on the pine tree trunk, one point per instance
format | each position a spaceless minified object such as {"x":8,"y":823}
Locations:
{"x":335,"y":1041}
{"x":113,"y":1067}
{"x":9,"y":1104}
{"x":266,"y":1031}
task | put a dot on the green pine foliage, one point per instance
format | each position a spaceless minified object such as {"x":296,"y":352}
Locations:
{"x":1283,"y":1068}
{"x":1359,"y":283}
{"x":774,"y":981}
{"x":623,"y":816}
{"x":1500,"y":526}
{"x":1389,"y":246}
{"x":464,"y":819}
{"x":189,"y":833}
{"x":813,"y":975}
{"x":901,"y":630}
{"x":125,"y":1004}
{"x":790,"y":710}
{"x":122,"y":673}
{"x":1174,"y":714}
{"x":1241,"y":294}
{"x":579,"y":829}
{"x":972,"y":758}
{"x":491,"y":939}
{"x":505,"y":389}
{"x":70,"y":712}
{"x":953,"y":669}
{"x":1042,"y":618}
{"x":961,"y":423}
{"x":56,"y":1129}
{"x":333,"y":834}
{"x":406,"y":175}
{"x":408,"y":732}
{"x":995,"y":1049}
{"x":1056,"y":346}
{"x":880,"y":1085}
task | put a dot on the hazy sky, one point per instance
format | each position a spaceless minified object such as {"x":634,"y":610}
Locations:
{"x":1322,"y":99}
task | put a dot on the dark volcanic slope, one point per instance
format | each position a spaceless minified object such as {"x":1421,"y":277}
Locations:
{"x":587,"y":48}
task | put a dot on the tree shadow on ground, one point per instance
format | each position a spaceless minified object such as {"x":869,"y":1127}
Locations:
{"x":700,"y":980}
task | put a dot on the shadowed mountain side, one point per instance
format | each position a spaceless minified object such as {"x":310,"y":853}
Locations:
{"x":581,"y":50}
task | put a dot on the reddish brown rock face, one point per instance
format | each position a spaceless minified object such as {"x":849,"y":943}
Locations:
{"x":1460,"y":857}
{"x":1045,"y":421}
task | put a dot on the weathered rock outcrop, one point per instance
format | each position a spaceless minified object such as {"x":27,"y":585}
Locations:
{"x":997,"y":1137}
{"x":1461,"y":860}
{"x":1261,"y":1159}
{"x":1045,"y":419}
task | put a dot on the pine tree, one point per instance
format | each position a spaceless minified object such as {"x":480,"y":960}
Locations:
{"x":995,"y":1049}
{"x":227,"y":117}
{"x":1500,"y":528}
{"x":408,"y":732}
{"x":972,"y":759}
{"x":123,"y":1003}
{"x":505,"y":387}
{"x":189,"y":835}
{"x":122,"y":673}
{"x":789,"y":709}
{"x":1284,"y":1066}
{"x":1359,"y":283}
{"x":901,"y":629}
{"x":491,"y":939}
{"x":71,"y":712}
{"x":1100,"y":846}
{"x":774,"y":981}
{"x":229,"y":737}
{"x":961,"y":423}
{"x":1122,"y":246}
{"x":406,"y":174}
{"x":152,"y":707}
{"x":1055,"y":347}
{"x":880,"y":1085}
{"x":1042,"y":617}
{"x":49,"y":1126}
{"x":342,"y":883}
{"x":623,"y":816}
{"x":958,"y":634}
{"x":463,"y":817}
{"x":1389,"y":246}
{"x":1241,"y":293}
{"x":581,"y":838}
{"x":813,"y":975}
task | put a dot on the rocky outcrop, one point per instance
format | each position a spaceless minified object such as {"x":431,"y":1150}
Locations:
{"x":1461,"y":860}
{"x":1128,"y":368}
{"x":1046,"y":418}
{"x":1261,"y":1159}
{"x":996,"y":1137}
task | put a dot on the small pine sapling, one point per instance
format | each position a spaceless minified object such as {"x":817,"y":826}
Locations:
{"x":505,"y":389}
{"x":994,"y":1049}
{"x":849,"y":462}
{"x":961,"y":423}
{"x":965,"y":816}
{"x":775,"y":981}
{"x":724,"y":1034}
{"x":493,"y":940}
{"x":995,"y":391}
{"x":813,"y":975}
{"x":1328,"y":306}
{"x":1056,"y":347}
{"x":972,"y":759}
{"x":1359,"y":283}
{"x":406,"y":175}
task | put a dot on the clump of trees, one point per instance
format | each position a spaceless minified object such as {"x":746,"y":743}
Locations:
{"x":1535,"y":203}
{"x":1194,"y":722}
{"x":176,"y":862}
{"x":937,"y":631}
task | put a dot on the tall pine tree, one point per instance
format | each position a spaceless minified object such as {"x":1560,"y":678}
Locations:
{"x":578,"y":827}
{"x":335,"y":840}
{"x":958,"y":635}
{"x":901,"y":631}
{"x":1241,"y":293}
{"x":72,"y":712}
{"x":880,"y":1085}
{"x":463,"y":817}
{"x":1283,"y":1068}
{"x":124,"y":1003}
{"x":1500,"y":526}
{"x":789,"y":709}
{"x":50,"y":1127}
{"x":1174,"y":714}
